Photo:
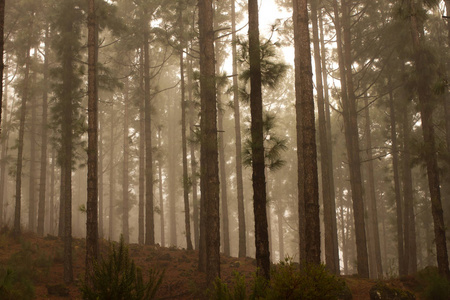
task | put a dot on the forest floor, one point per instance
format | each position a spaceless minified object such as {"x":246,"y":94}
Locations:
{"x":44,"y":263}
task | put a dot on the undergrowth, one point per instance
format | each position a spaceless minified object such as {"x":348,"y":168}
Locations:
{"x":288,"y":281}
{"x":117,"y":277}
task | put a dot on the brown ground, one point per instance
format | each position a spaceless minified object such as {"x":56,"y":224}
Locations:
{"x":181,"y":279}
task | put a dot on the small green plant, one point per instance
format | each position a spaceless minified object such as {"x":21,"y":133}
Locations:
{"x":117,"y":277}
{"x":14,"y":285}
{"x":223,"y":292}
{"x":311,"y":282}
{"x":432,"y":284}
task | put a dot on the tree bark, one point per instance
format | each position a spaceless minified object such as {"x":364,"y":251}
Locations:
{"x":210,"y":187}
{"x":258,"y":163}
{"x":305,"y":106}
{"x":238,"y":142}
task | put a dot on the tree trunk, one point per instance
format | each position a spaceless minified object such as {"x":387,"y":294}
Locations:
{"x":23,"y":109}
{"x":32,"y":212}
{"x":194,"y":185}
{"x":395,"y":167}
{"x":351,"y":137}
{"x":329,"y":134}
{"x":258,"y":163}
{"x":280,"y":216}
{"x":100,"y":179}
{"x":149,"y":216}
{"x":171,"y":164}
{"x":125,"y":172}
{"x":51,"y":227}
{"x":238,"y":142}
{"x":61,"y":201}
{"x":66,"y":154}
{"x":409,"y":233}
{"x":210,"y":187}
{"x":2,"y":64}
{"x":141,"y":221}
{"x":187,"y":216}
{"x":373,"y":214}
{"x":331,"y":250}
{"x":92,"y":152}
{"x":161,"y":196}
{"x":4,"y":136}
{"x":426,"y":113}
{"x":44,"y":159}
{"x":305,"y":106}
{"x":112,"y":192}
{"x":223,"y":180}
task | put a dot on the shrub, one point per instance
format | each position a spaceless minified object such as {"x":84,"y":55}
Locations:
{"x":222,"y":292}
{"x":117,"y":277}
{"x":433,"y":285}
{"x":312,"y":282}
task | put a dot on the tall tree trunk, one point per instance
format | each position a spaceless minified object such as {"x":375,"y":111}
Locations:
{"x":4,"y":135}
{"x":258,"y":163}
{"x":426,"y":113}
{"x":51,"y":228}
{"x":187,"y":215}
{"x":61,"y":201}
{"x":112,"y":179}
{"x":280,"y":216}
{"x":223,"y":181}
{"x":92,"y":152}
{"x":373,"y":214}
{"x":194,"y":185}
{"x":305,"y":106}
{"x":32,"y":188}
{"x":395,"y":167}
{"x":100,"y":179}
{"x":409,"y":233}
{"x":23,"y":109}
{"x":141,"y":218}
{"x":171,"y":164}
{"x":161,"y":196}
{"x":238,"y":142}
{"x":329,"y":134}
{"x":66,"y":154}
{"x":331,"y":251}
{"x":2,"y":64}
{"x":125,"y":173}
{"x":351,"y":136}
{"x":44,"y":159}
{"x":210,"y":187}
{"x":149,"y":215}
